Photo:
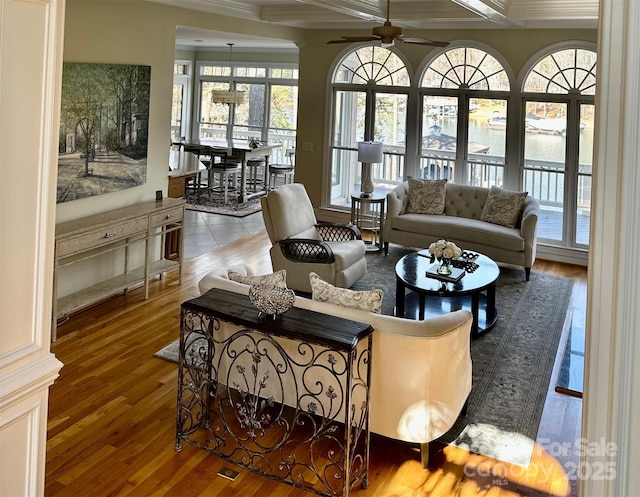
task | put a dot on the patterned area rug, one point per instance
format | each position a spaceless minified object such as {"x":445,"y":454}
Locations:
{"x":512,"y":363}
{"x":216,"y":205}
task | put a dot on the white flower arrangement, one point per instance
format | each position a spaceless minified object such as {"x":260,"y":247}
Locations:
{"x":442,"y":249}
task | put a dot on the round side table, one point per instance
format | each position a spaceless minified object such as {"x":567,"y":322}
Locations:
{"x":367,"y":213}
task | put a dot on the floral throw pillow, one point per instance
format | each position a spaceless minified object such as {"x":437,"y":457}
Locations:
{"x":365,"y":300}
{"x":278,"y":278}
{"x":426,"y":196}
{"x":503,"y":207}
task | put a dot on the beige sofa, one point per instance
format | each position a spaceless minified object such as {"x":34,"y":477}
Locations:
{"x":421,"y":370}
{"x":461,"y":224}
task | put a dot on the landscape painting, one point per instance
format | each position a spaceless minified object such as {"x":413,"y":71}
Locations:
{"x":104,"y":129}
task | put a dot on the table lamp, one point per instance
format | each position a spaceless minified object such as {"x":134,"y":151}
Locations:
{"x":368,"y":153}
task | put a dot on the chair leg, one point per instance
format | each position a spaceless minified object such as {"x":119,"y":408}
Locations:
{"x":527,"y":273}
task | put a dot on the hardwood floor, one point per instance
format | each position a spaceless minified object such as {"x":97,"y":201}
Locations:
{"x":112,"y":411}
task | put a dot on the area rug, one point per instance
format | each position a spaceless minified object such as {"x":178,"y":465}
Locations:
{"x":512,"y":363}
{"x":216,"y":205}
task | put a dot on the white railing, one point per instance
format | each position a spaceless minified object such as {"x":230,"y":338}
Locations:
{"x":544,"y":180}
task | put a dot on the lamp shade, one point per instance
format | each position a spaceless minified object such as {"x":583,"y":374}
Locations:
{"x":227,"y":97}
{"x":370,"y":152}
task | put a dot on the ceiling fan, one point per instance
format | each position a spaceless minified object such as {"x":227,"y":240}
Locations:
{"x":388,"y":34}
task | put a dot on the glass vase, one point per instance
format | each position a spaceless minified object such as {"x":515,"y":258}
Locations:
{"x":445,"y":266}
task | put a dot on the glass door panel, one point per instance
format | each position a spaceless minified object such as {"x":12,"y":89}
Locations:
{"x":545,"y":164}
{"x":249,"y":117}
{"x":439,"y":137}
{"x":585,"y":165}
{"x":177,"y":103}
{"x":486,"y":142}
{"x":390,"y":127}
{"x":214,"y":117}
{"x":350,"y":110}
{"x":283,"y":116}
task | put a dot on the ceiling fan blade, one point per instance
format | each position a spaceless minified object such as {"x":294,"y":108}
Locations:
{"x":353,"y":39}
{"x":423,"y":41}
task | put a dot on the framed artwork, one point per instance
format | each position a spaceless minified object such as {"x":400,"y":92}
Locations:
{"x":104,"y":129}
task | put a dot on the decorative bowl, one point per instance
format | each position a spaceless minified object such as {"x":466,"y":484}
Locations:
{"x":272,"y":300}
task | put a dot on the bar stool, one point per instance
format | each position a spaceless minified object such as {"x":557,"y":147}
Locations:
{"x":196,"y":184}
{"x":284,"y":170}
{"x":256,"y":174}
{"x":227,"y":171}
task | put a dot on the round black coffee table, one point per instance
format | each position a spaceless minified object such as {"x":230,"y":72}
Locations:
{"x":475,"y":291}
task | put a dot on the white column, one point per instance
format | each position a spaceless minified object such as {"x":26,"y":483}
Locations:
{"x":31,"y":44}
{"x":611,"y":399}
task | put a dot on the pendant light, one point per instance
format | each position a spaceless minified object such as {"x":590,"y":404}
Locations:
{"x":228,"y":96}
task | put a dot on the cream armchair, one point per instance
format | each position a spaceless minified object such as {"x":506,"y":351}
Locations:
{"x":302,"y":245}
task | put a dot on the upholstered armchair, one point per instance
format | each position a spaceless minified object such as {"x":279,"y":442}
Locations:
{"x":302,"y":245}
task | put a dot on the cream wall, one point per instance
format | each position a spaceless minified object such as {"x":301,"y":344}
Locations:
{"x":316,"y":59}
{"x":30,"y":74}
{"x":137,"y":32}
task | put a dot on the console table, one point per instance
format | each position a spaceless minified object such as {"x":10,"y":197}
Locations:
{"x":120,"y":232}
{"x":286,"y":397}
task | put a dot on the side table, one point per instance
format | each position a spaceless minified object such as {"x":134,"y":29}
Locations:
{"x":367,"y":213}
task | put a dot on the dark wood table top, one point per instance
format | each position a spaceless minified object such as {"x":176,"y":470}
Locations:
{"x":296,"y":323}
{"x":412,"y":269}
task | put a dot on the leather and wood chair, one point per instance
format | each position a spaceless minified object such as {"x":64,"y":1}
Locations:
{"x":302,"y":245}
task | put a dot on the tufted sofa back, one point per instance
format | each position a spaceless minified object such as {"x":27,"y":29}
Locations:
{"x":465,"y":201}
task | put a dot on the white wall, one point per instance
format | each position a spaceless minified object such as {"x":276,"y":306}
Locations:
{"x":30,"y":74}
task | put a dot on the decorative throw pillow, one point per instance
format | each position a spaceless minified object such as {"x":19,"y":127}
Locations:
{"x":426,"y":196}
{"x":503,"y":207}
{"x":278,"y":278}
{"x":365,"y":300}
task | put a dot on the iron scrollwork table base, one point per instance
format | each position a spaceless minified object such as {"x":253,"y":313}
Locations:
{"x":287,"y":398}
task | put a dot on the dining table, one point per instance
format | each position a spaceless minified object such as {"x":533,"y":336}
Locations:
{"x":242,"y":151}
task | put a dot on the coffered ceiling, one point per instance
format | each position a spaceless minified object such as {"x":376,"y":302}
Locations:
{"x":409,"y":14}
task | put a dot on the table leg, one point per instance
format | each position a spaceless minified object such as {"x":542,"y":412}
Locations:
{"x":267,"y":161}
{"x":243,"y":180}
{"x":421,"y":297}
{"x":475,"y":305}
{"x":399,"y":298}
{"x":491,"y":304}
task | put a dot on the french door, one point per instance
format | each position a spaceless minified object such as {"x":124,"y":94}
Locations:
{"x":558,"y":160}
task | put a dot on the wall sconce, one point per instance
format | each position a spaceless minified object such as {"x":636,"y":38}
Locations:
{"x":368,"y":153}
{"x":230,"y":96}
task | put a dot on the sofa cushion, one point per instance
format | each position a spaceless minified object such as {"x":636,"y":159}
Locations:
{"x":460,"y":229}
{"x":365,"y":300}
{"x":503,"y":207}
{"x":426,"y":196}
{"x":278,"y":278}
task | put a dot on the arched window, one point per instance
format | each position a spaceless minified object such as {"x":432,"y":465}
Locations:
{"x":466,"y":67}
{"x":372,"y":64}
{"x":370,"y":86}
{"x":564,"y":71}
{"x":464,"y":97}
{"x":559,"y":88}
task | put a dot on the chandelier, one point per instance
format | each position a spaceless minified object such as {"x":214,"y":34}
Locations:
{"x":228,"y":96}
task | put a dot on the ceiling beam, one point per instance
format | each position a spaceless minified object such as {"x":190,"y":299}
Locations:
{"x":492,"y":10}
{"x":367,"y":11}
